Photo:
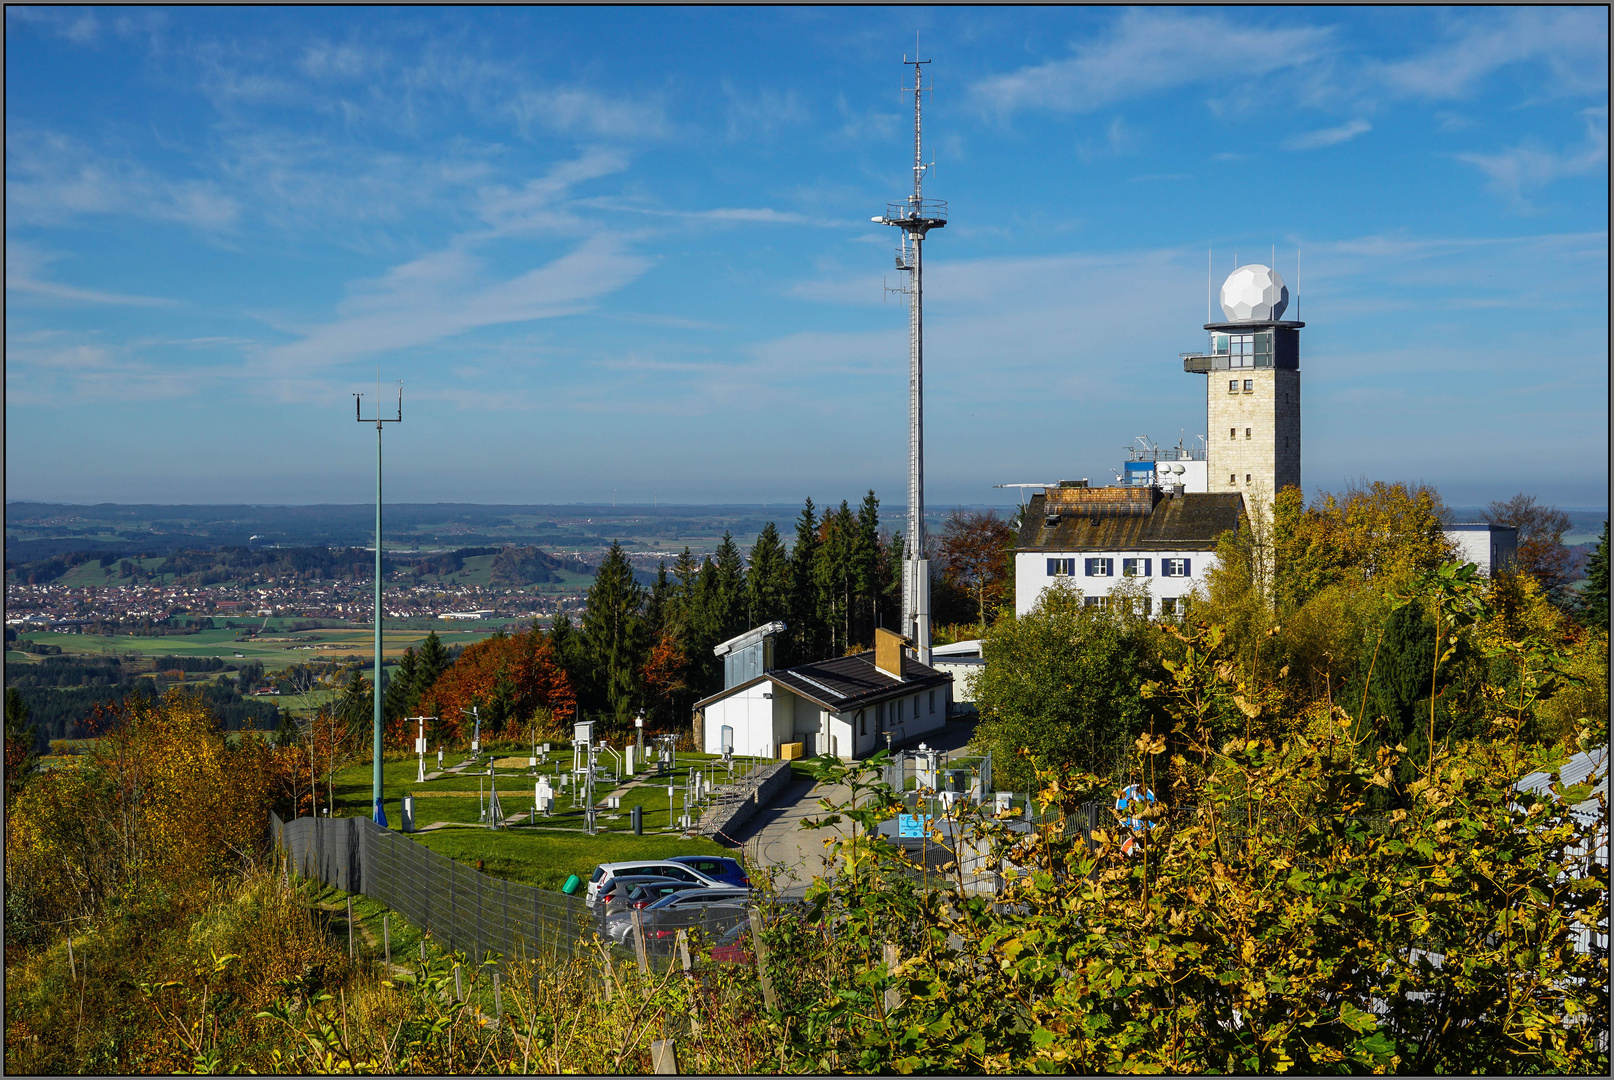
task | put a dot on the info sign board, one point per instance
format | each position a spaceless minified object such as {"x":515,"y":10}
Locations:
{"x":912,"y":826}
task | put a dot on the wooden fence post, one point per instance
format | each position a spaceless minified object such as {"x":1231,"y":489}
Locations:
{"x":610,"y":974}
{"x":72,"y":963}
{"x":663,"y":1057}
{"x":386,"y":939}
{"x":769,"y":998}
{"x":459,"y":991}
{"x":638,"y":942}
{"x":498,"y":1002}
{"x":350,"y":927}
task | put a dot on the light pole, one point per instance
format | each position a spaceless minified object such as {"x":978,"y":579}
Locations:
{"x":380,"y":812}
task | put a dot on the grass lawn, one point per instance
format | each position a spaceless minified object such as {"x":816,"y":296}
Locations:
{"x":353,"y":787}
{"x":547,"y":859}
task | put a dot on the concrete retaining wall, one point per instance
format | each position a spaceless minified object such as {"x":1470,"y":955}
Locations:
{"x":726,"y":818}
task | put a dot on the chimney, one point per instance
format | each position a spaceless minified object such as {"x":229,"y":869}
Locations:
{"x":888,"y":652}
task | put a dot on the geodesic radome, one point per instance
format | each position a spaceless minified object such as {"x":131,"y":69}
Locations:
{"x":1254,"y":293}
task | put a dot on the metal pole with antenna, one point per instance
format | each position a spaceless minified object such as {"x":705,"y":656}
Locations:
{"x":915,"y":217}
{"x":380,"y":817}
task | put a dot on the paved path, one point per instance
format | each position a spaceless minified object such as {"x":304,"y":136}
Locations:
{"x":774,"y":838}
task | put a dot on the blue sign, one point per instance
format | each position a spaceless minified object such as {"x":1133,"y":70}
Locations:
{"x":912,"y":826}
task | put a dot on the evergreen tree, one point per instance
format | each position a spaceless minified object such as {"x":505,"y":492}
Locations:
{"x":19,"y":741}
{"x":730,"y":614}
{"x":572,"y":655}
{"x":430,"y":663}
{"x":705,"y":629}
{"x":658,"y":605}
{"x":767,"y":582}
{"x":614,"y":632}
{"x":891,"y":563}
{"x":832,"y":575}
{"x":865,"y":570}
{"x":403,"y":689}
{"x":356,"y":709}
{"x":1594,"y":596}
{"x":806,"y":630}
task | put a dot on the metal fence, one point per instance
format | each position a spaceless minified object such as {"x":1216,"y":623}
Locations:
{"x":462,"y":908}
{"x":472,"y":912}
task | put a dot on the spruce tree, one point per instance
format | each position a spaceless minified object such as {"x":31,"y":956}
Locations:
{"x":1594,"y":595}
{"x":614,"y":632}
{"x":767,"y":581}
{"x":402,"y":688}
{"x":866,"y":569}
{"x":806,"y":630}
{"x":730,"y":616}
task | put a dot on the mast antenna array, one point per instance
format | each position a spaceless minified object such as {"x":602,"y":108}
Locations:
{"x":915,"y":216}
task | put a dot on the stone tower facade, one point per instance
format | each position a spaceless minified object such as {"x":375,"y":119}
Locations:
{"x":1253,"y":430}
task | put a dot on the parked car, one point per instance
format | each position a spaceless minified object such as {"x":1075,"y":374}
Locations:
{"x":647,"y":893}
{"x":666,"y":868}
{"x":614,"y":893}
{"x":719,"y":867}
{"x":733,"y":947}
{"x":661,"y":918}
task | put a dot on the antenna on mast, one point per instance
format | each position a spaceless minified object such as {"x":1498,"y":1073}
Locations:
{"x":915,"y":216}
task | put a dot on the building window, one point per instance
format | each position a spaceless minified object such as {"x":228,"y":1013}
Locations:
{"x":1135,"y":567}
{"x":1175,"y":567}
{"x":933,"y":703}
{"x":1061,"y":567}
{"x":1100,"y":567}
{"x":1246,"y":478}
{"x":1232,"y":386}
{"x":879,"y":717}
{"x":1241,"y":350}
{"x":862,"y":722}
{"x":1249,"y":386}
{"x":1096,"y":601}
{"x":1170,"y":605}
{"x":1246,"y":433}
{"x":1232,"y":478}
{"x":1219,"y":344}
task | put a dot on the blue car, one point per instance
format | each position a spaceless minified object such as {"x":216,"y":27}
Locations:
{"x":727,"y":871}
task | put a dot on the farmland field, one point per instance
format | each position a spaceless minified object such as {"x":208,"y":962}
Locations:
{"x":274,"y":649}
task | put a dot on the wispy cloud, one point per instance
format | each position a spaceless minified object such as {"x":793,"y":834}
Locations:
{"x":1316,"y":140}
{"x":50,"y":178}
{"x":441,"y":295}
{"x":23,"y":267}
{"x":1571,"y":43}
{"x":1516,"y":171}
{"x":1147,"y":52}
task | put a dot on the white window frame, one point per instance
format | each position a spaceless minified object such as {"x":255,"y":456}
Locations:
{"x":1178,"y":567}
{"x":1099,"y":567}
{"x":1062,"y":567}
{"x":1141,"y":567}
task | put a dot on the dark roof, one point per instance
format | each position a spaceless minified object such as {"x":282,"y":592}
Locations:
{"x":847,"y":682}
{"x":1185,"y":523}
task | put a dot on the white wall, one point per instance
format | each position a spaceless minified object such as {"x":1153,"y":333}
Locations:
{"x":1031,"y":575}
{"x":750,"y":714}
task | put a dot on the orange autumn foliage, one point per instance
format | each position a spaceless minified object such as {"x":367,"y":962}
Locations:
{"x":537,"y":681}
{"x":663,"y":675}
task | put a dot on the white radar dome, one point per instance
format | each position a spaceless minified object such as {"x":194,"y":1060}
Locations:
{"x":1254,"y":293}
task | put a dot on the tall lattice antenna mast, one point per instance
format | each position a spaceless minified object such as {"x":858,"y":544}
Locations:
{"x":915,"y":217}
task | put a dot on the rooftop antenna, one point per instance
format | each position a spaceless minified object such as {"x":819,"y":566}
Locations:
{"x":915,"y":216}
{"x":1297,"y":283}
{"x":377,"y":690}
{"x":1208,"y":286}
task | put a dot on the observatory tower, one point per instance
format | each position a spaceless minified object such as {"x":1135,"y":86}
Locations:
{"x":1252,"y":396}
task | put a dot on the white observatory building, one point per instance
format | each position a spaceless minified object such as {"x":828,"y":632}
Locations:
{"x":1252,"y":394}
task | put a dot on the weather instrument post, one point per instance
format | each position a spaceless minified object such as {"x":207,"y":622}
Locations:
{"x":915,"y":216}
{"x":378,"y":420}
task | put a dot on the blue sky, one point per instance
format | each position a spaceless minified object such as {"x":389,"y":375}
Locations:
{"x":631,"y":249}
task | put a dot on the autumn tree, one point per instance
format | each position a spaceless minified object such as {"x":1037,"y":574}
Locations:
{"x":977,"y":555}
{"x":1541,"y":551}
{"x":510,"y":678}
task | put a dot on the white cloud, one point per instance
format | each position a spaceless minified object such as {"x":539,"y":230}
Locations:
{"x":1148,"y":51}
{"x":1316,"y":140}
{"x":439,"y":296}
{"x":1528,"y":166}
{"x":1572,"y":43}
{"x":50,"y":179}
{"x":24,"y":265}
